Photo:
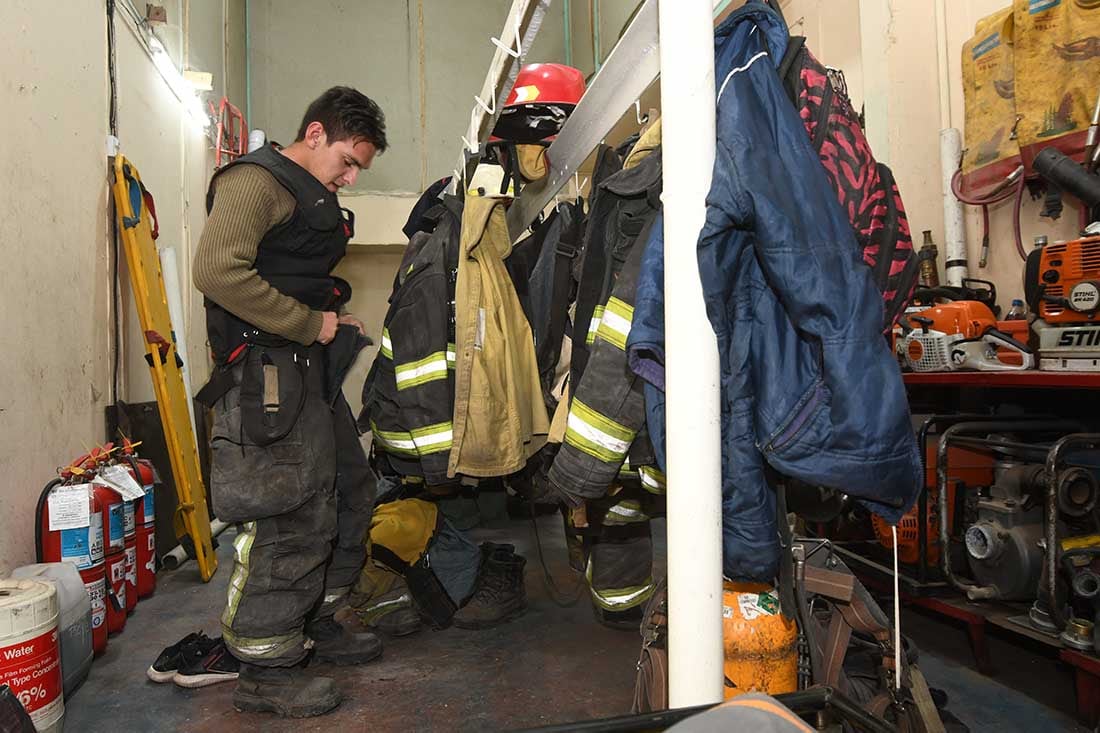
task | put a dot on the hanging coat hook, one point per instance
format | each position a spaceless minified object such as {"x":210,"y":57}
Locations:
{"x":486,"y":107}
{"x":508,"y":49}
{"x":638,"y":112}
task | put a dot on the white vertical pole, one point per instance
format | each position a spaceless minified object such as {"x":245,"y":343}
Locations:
{"x":691,"y":360}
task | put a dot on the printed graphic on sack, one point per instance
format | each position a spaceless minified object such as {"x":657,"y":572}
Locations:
{"x":989,"y":88}
{"x":1057,"y":51}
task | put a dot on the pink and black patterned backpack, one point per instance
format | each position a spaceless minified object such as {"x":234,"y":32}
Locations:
{"x":864,"y":187}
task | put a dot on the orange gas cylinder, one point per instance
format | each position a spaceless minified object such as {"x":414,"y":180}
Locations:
{"x":760,"y":643}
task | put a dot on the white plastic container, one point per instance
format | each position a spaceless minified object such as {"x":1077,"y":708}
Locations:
{"x":30,"y":656}
{"x":75,"y":622}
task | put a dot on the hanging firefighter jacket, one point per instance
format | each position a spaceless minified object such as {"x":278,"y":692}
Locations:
{"x":408,"y":395}
{"x":607,"y":411}
{"x":499,"y":417}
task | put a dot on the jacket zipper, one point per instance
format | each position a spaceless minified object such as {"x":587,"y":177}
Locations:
{"x":795,"y":424}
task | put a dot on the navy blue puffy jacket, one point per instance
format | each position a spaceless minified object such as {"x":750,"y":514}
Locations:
{"x":808,"y":383}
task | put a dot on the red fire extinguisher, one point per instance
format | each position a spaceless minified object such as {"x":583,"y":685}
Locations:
{"x":145,"y":516}
{"x":114,"y":542}
{"x":82,"y":546}
{"x":120,"y":554}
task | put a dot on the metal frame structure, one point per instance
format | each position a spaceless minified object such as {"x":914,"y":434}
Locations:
{"x":676,"y":41}
{"x":520,"y":28}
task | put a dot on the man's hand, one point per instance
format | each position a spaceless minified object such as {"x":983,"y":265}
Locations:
{"x":353,"y":321}
{"x":328,"y":327}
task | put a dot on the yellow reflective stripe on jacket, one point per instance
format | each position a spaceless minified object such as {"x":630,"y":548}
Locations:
{"x":394,"y":441}
{"x":619,"y":599}
{"x":615,"y":324}
{"x":653,"y":480}
{"x":594,"y":325}
{"x":428,"y":369}
{"x":598,"y":436}
{"x":387,"y":344}
{"x":419,"y":441}
{"x":450,"y":356}
{"x":433,"y":438}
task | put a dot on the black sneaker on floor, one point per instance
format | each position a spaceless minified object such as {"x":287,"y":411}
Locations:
{"x":217,"y":665}
{"x":173,"y":657}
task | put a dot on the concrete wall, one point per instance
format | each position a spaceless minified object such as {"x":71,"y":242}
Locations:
{"x":53,"y":234}
{"x":55,"y":291}
{"x":421,"y":60}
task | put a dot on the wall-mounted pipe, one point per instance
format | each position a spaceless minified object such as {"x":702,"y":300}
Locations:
{"x":597,"y":50}
{"x":955,"y":266}
{"x":567,"y":21}
{"x":248,"y":63}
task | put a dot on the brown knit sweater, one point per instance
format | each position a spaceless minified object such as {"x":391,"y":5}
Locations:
{"x":248,"y":202}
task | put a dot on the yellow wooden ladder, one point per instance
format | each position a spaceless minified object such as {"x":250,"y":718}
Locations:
{"x":135,"y":224}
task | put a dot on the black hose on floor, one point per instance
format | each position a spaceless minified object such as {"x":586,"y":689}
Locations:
{"x":560,"y":599}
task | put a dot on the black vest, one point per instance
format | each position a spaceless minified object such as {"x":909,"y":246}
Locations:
{"x":295,"y":257}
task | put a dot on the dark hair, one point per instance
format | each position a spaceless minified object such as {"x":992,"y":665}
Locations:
{"x":347,"y":113}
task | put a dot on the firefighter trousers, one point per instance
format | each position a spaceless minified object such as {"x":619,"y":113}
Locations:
{"x":290,"y":566}
{"x":616,"y":548}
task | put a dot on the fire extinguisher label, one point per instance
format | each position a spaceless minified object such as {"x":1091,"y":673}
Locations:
{"x":97,"y":591}
{"x":32,"y":669}
{"x":68,"y":507}
{"x":83,"y":545}
{"x":128,"y":523}
{"x":149,"y":505}
{"x":116,"y":525}
{"x":95,"y":538}
{"x":75,"y":547}
{"x":131,"y":565}
{"x":118,"y":572}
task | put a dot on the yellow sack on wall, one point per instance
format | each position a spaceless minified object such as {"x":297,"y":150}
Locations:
{"x":1057,"y":73}
{"x":991,"y":150}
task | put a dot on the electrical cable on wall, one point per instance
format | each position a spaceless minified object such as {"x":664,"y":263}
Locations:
{"x":112,"y":126}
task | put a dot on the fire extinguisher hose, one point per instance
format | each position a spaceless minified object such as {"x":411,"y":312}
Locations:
{"x":42,"y":498}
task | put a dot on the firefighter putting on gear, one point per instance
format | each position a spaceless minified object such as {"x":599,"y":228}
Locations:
{"x":287,"y":463}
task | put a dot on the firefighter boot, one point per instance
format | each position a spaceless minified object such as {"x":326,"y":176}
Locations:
{"x":333,"y":644}
{"x":500,"y":593}
{"x":287,"y":691}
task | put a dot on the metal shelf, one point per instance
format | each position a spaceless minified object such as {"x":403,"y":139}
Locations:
{"x":1029,"y":378}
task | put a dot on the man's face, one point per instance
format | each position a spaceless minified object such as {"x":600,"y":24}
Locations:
{"x":338,"y":164}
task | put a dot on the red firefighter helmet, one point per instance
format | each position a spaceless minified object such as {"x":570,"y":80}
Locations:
{"x":540,"y":101}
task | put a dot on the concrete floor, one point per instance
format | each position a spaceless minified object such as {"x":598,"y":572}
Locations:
{"x":550,"y":666}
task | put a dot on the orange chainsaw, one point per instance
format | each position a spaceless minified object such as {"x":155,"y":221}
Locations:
{"x":960,"y":336}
